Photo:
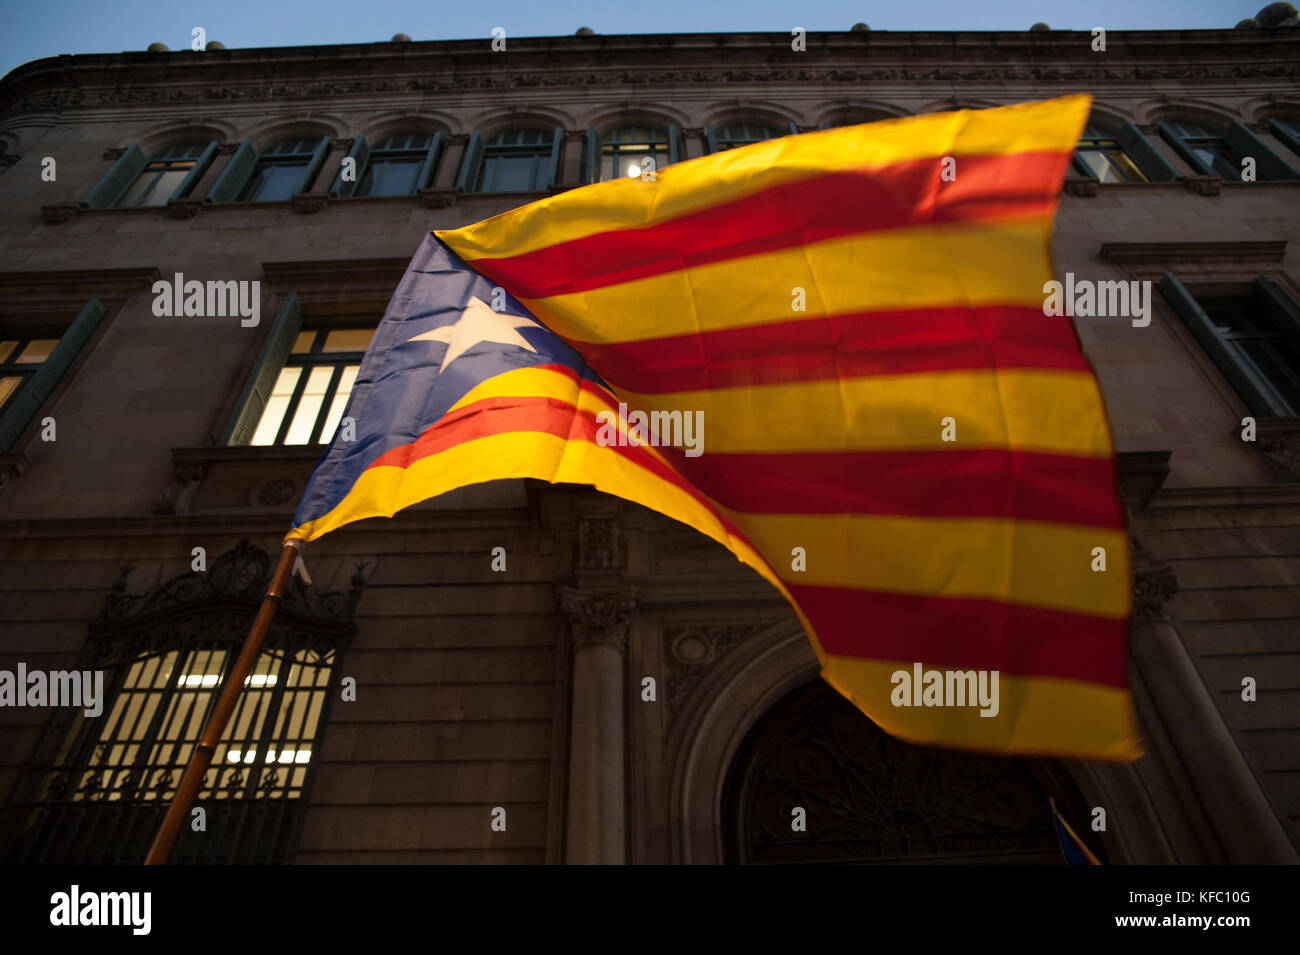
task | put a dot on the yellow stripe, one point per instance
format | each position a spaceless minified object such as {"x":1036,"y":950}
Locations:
{"x":688,"y":187}
{"x":1021,"y":409}
{"x":913,"y":267}
{"x":1034,"y":563}
{"x":1036,"y":715}
{"x":522,"y":383}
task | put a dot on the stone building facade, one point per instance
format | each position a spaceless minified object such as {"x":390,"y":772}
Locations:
{"x":524,"y":690}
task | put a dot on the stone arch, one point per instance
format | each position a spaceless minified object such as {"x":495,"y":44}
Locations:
{"x":159,"y":137}
{"x":1163,"y":109}
{"x":377,"y":127}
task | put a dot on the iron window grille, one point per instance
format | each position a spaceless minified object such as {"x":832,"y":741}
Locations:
{"x":311,"y":391}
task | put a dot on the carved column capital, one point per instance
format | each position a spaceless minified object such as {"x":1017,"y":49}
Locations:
{"x":457,"y":139}
{"x":575,"y":135}
{"x":1153,"y":591}
{"x":600,"y":543}
{"x":598,"y":619}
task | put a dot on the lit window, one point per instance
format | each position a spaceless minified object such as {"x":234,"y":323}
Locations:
{"x":624,"y":151}
{"x":312,"y":389}
{"x":19,"y":360}
{"x":162,"y":176}
{"x":1101,"y":156}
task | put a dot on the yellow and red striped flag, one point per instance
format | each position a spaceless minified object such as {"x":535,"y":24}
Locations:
{"x":895,"y":434}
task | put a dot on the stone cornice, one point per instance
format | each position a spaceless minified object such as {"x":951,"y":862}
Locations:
{"x":648,"y":61}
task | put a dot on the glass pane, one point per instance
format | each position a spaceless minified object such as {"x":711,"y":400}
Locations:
{"x":270,"y":183}
{"x":347,"y":339}
{"x":1271,"y":361}
{"x":390,"y":177}
{"x":340,"y":402}
{"x":309,"y":405}
{"x":302,"y":344}
{"x":6,"y":348}
{"x":140,"y":190}
{"x":511,"y":173}
{"x":7,"y":387}
{"x":37,"y":351}
{"x":268,"y":426}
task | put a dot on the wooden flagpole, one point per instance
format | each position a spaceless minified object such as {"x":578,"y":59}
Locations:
{"x":192,"y":782}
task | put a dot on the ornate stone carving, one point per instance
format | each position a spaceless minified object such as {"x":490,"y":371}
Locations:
{"x":457,"y":139}
{"x":276,"y":492}
{"x":600,"y":543}
{"x":575,"y":135}
{"x":690,"y":651}
{"x":1203,"y":185}
{"x":227,"y":149}
{"x":309,"y":202}
{"x":8,"y":159}
{"x":178,"y":497}
{"x":184,"y":208}
{"x":343,"y":144}
{"x":1278,"y":440}
{"x":1153,"y":590}
{"x":60,"y":213}
{"x":598,"y":618}
{"x":438,"y":198}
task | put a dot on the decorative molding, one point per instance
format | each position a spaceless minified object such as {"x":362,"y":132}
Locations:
{"x":309,"y":202}
{"x":57,"y":295}
{"x":575,"y":135}
{"x":13,"y":465}
{"x":1203,"y":185}
{"x":8,"y":159}
{"x":276,"y":492}
{"x":1085,"y":187}
{"x":178,"y":497}
{"x":457,"y":139}
{"x":598,"y":619}
{"x":343,"y":143}
{"x":690,"y":651}
{"x":438,"y":198}
{"x":1153,"y":591}
{"x":600,"y":543}
{"x":184,"y":208}
{"x":228,"y":149}
{"x":60,"y":213}
{"x":114,"y":153}
{"x":1165,"y":253}
{"x":1278,"y":440}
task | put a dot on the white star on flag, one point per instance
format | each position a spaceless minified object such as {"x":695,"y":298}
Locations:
{"x":478,"y":323}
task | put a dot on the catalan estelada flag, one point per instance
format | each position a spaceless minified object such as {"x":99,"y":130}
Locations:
{"x":895,"y":435}
{"x":1072,"y":848}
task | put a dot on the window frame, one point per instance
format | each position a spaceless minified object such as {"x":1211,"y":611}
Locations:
{"x":598,"y":146}
{"x":315,"y":357}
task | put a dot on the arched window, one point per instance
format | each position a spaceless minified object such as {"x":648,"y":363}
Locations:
{"x":398,"y":165}
{"x":1221,"y":148}
{"x":136,"y":181}
{"x":732,"y":135}
{"x":283,"y":170}
{"x":629,"y":151}
{"x":512,"y":160}
{"x":1099,"y":154}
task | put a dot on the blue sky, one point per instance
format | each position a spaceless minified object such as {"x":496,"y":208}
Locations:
{"x":31,"y":29}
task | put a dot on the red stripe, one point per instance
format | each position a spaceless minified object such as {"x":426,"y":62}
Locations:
{"x":791,"y":214}
{"x":841,"y":346}
{"x":948,"y":483}
{"x":967,"y":633}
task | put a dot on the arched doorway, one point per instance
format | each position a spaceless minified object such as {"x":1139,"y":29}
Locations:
{"x":870,"y":798}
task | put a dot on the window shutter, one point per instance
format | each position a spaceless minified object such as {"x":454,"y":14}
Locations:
{"x":233,"y":177}
{"x":1144,"y":155}
{"x":27,"y":403}
{"x":557,"y":143}
{"x":710,"y":140}
{"x":1202,"y":328}
{"x":794,"y":130}
{"x":360,"y":152}
{"x":1268,"y":165}
{"x":313,"y":166}
{"x":674,"y":137}
{"x":196,"y":173}
{"x":1282,"y":313}
{"x":425,"y":176}
{"x":1288,"y":138}
{"x":469,"y":163}
{"x":593,"y":154}
{"x":1171,"y":136}
{"x":117,"y":180}
{"x":274,"y":353}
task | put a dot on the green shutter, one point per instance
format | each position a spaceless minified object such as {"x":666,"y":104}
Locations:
{"x":117,"y":181}
{"x":794,"y":130}
{"x":274,"y":353}
{"x":196,"y":172}
{"x":25,"y":405}
{"x":593,"y":154}
{"x":1268,"y":164}
{"x":1144,"y":155}
{"x":425,"y":177}
{"x":710,"y":140}
{"x":557,"y":143}
{"x":232,"y":178}
{"x":1281,"y":312}
{"x":1173,"y":139}
{"x":360,"y":152}
{"x":1285,"y":136}
{"x":469,"y":163}
{"x":674,"y":138}
{"x":1242,"y":378}
{"x":313,"y":166}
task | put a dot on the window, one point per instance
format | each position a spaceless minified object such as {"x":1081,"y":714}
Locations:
{"x":281,"y":172}
{"x":1217,"y":149}
{"x":137,"y":182}
{"x":312,"y":389}
{"x":733,"y":135}
{"x":1252,"y":334}
{"x":1288,"y":132}
{"x":19,"y":360}
{"x":1102,"y":157}
{"x":619,"y":151}
{"x":513,"y":160}
{"x":399,"y":165}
